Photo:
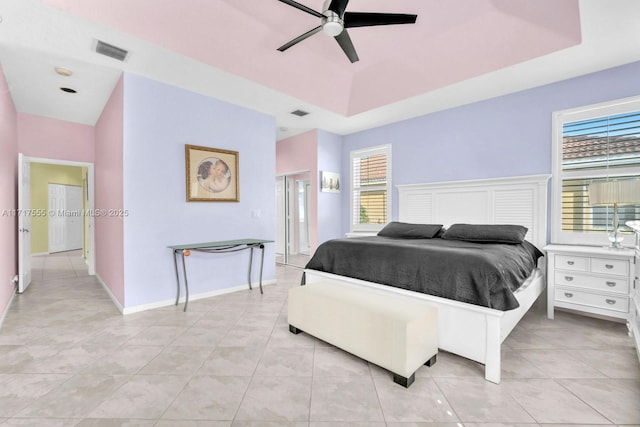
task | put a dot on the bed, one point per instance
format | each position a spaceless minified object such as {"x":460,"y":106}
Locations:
{"x":471,"y":330}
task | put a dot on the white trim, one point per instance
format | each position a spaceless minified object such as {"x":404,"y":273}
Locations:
{"x":6,"y":309}
{"x":300,"y":172}
{"x":41,"y":254}
{"x":113,"y":298}
{"x":91,"y":261}
{"x":609,"y":108}
{"x":203,"y":295}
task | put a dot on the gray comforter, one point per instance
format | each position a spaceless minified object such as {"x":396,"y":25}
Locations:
{"x":484,"y":274}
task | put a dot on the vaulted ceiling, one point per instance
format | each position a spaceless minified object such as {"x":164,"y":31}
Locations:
{"x":458,"y":51}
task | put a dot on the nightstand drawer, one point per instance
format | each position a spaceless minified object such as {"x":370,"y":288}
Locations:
{"x":592,"y":282}
{"x":610,"y":266}
{"x":570,"y":262}
{"x":607,"y":302}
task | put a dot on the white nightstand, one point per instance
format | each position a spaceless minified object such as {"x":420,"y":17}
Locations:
{"x":590,"y":279}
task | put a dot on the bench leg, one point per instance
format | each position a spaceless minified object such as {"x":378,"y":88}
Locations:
{"x":404,"y":382}
{"x":431,"y":361}
{"x":294,"y":330}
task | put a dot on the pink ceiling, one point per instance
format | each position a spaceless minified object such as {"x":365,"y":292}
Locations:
{"x":452,"y":40}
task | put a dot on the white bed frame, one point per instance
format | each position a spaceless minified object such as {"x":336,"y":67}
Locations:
{"x":468,"y":330}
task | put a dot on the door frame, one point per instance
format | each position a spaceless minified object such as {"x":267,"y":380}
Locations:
{"x":289,"y":211}
{"x":91,"y":259}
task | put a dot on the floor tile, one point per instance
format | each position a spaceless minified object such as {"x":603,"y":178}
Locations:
{"x":143,"y":396}
{"x":548,"y":402}
{"x":278,"y":399}
{"x":77,"y":397}
{"x":346,"y":399}
{"x":292,"y":362}
{"x":207,"y":397}
{"x":477,"y":400}
{"x":616,"y":399}
{"x":68,"y":357}
{"x":422,"y":401}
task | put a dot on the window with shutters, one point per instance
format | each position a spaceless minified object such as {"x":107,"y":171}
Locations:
{"x":370,"y":188}
{"x":593,"y":144}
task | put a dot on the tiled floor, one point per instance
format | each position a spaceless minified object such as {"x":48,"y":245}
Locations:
{"x":68,"y":358}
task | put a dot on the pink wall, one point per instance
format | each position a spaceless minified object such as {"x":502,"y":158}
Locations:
{"x":299,"y":153}
{"x":8,"y":194}
{"x":55,"y":139}
{"x":109,"y":181}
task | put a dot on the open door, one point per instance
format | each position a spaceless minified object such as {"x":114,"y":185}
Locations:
{"x":24,"y":223}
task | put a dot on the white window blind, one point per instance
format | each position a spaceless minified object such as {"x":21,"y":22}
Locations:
{"x":370,"y":188}
{"x":593,"y":144}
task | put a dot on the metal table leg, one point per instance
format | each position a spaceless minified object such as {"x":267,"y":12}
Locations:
{"x":175,"y":263}
{"x":186,"y":283}
{"x":250,"y":262}
{"x":261,"y":264}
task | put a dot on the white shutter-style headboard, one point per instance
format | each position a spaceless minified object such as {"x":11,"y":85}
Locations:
{"x":518,"y":200}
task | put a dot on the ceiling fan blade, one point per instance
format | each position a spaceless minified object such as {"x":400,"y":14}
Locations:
{"x":300,"y":38}
{"x":365,"y":19}
{"x":338,"y":6}
{"x":345,"y":43}
{"x":303,"y":8}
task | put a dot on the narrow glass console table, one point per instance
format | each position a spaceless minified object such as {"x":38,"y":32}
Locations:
{"x":183,"y":251}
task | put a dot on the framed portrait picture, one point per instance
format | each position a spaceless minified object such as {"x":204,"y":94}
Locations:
{"x":330,"y":182}
{"x":212,"y":174}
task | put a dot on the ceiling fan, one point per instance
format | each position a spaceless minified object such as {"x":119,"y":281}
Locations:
{"x":335,"y":21}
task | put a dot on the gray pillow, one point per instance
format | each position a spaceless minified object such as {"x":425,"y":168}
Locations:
{"x":404,"y":230}
{"x":486,"y":233}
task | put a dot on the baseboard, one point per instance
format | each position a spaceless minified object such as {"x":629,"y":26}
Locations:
{"x":166,"y":303}
{"x":113,"y":298}
{"x":6,"y":309}
{"x":40,"y":254}
{"x":194,"y":297}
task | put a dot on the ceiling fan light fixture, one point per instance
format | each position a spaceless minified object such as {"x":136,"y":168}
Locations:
{"x":332,"y":25}
{"x":63,"y":71}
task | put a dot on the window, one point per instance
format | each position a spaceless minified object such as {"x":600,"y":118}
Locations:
{"x":593,"y":144}
{"x":370,"y":188}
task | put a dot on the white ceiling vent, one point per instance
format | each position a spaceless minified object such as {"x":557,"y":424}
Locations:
{"x":111,"y":51}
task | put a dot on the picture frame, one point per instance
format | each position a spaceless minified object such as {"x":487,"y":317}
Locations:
{"x":212,"y":174}
{"x":330,"y":182}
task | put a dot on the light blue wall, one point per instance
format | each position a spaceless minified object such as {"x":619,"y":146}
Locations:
{"x":329,"y":204}
{"x":158,"y":121}
{"x":505,"y":136}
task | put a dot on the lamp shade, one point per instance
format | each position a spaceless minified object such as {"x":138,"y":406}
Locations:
{"x":624,"y":192}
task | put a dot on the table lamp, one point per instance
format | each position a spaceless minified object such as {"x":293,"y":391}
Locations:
{"x":614,"y":193}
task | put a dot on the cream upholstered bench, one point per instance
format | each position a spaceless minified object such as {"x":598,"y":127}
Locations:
{"x":392,"y":331}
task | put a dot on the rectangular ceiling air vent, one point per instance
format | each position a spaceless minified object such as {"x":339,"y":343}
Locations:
{"x":299,"y":113}
{"x":111,"y":51}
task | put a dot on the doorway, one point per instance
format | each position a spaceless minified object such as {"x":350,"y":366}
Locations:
{"x":34,"y":234}
{"x":292,"y":219}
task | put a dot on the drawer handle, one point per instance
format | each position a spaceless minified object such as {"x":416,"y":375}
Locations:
{"x":609,"y":266}
{"x":610,"y":301}
{"x":568,"y":294}
{"x":611,"y":284}
{"x":568,"y":278}
{"x":570,"y":262}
